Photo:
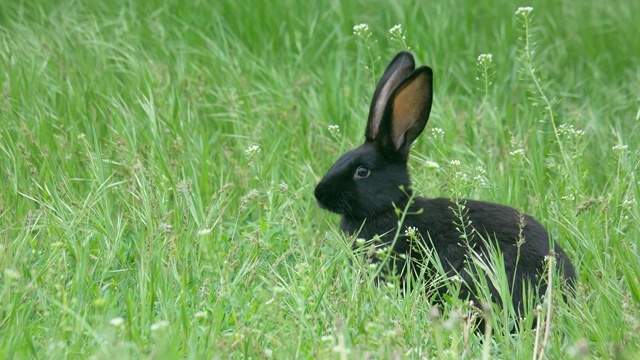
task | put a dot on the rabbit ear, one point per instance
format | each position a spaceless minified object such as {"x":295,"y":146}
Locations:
{"x":407,"y":111}
{"x":400,"y":67}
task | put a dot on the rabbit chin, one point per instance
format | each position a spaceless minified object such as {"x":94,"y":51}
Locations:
{"x":327,"y":202}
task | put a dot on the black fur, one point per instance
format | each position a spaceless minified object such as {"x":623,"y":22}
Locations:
{"x":367,"y":204}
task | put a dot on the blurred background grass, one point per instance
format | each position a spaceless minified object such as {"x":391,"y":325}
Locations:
{"x":127,"y":191}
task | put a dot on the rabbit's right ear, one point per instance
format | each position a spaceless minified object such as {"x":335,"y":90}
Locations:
{"x":400,"y":67}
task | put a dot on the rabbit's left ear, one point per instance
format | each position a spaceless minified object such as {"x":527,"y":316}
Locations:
{"x":399,"y":68}
{"x":407,"y":111}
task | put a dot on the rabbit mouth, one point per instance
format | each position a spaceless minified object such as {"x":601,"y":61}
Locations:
{"x":328,"y":200}
{"x":338,"y":208}
{"x":322,"y":206}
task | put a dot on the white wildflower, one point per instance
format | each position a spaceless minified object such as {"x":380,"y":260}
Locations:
{"x":620,"y":147}
{"x":396,"y":29}
{"x":361,"y":29}
{"x":461,"y":175}
{"x":269,"y":301}
{"x":159,"y":325}
{"x":480,"y":176}
{"x":517,"y":152}
{"x":398,"y":34}
{"x":116,"y":322}
{"x":381,"y":250}
{"x":524,"y":11}
{"x":201,"y":315}
{"x":334,"y":130}
{"x":455,"y":162}
{"x":566,"y":129}
{"x":253,"y":151}
{"x":411,"y":232}
{"x":485,"y":59}
{"x":437,"y":132}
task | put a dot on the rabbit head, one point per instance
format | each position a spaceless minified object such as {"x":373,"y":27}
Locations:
{"x":369,"y":179}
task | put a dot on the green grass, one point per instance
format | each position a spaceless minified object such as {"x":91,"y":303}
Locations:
{"x":134,"y":224}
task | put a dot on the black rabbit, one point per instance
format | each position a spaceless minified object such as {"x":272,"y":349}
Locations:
{"x":367,"y":184}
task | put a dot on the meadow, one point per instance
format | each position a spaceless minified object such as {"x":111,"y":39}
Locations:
{"x":158,"y":160}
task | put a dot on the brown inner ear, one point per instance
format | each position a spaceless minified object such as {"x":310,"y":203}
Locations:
{"x":408,"y":106}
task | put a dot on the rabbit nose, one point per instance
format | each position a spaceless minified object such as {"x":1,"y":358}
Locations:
{"x":322,"y":194}
{"x":319,"y":192}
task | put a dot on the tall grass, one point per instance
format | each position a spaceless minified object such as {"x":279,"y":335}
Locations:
{"x":158,"y":158}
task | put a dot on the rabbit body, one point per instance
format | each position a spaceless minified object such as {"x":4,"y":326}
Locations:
{"x":435,"y":221}
{"x":367,"y":184}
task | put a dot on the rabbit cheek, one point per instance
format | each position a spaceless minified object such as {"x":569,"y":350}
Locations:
{"x":332,"y":197}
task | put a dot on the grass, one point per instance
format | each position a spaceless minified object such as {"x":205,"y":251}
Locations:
{"x":138,"y":220}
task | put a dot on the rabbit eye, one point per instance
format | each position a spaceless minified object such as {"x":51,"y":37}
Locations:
{"x":362,"y":172}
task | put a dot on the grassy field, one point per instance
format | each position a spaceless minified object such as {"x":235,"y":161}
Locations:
{"x":158,"y":160}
